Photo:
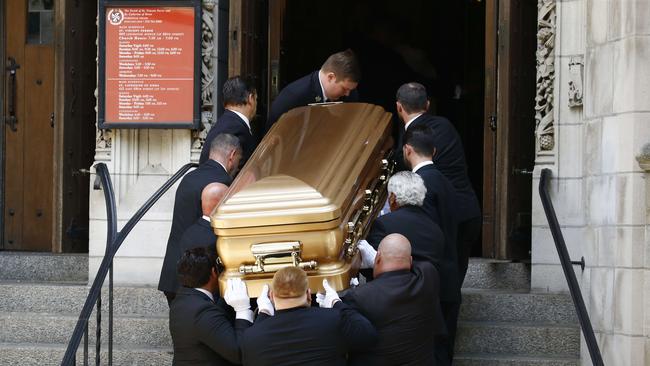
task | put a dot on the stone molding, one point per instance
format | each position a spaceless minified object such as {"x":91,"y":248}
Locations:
{"x":544,"y":103}
{"x":644,"y":158}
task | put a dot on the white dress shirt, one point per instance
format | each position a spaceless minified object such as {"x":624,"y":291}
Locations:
{"x":246,"y":121}
{"x":406,"y":126}
{"x":206,"y":292}
{"x":420,"y":165}
{"x":321,"y":88}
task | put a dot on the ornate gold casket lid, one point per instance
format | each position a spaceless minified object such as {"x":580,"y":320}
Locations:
{"x":305,"y":170}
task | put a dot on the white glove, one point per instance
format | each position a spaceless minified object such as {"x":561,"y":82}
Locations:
{"x":236,"y":296}
{"x":264,"y":304}
{"x":354,"y":282}
{"x":368,"y":254}
{"x":329,"y":298}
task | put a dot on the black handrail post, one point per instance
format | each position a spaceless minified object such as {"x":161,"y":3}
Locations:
{"x":98,"y":331}
{"x":110,"y":315}
{"x":569,"y":274}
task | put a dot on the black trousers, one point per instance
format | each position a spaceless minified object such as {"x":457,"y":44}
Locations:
{"x":468,"y":233}
{"x":445,"y":345}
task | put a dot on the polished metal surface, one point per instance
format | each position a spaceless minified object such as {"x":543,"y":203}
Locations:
{"x":319,"y":170}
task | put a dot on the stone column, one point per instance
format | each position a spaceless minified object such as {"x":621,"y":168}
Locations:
{"x":140,"y":161}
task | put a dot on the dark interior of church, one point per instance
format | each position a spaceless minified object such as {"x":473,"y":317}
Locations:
{"x":437,"y":43}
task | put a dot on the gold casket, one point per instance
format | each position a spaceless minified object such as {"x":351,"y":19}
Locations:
{"x":306,"y":196}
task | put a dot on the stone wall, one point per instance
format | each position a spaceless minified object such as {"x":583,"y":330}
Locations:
{"x":598,"y":188}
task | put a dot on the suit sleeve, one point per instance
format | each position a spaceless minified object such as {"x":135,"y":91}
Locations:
{"x":217,"y":332}
{"x":357,"y":331}
{"x":376,"y":234}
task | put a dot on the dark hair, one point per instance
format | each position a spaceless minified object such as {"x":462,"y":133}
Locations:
{"x":420,"y":138}
{"x":236,"y":91}
{"x":344,"y":65}
{"x":195,"y":266}
{"x":413,"y":97}
{"x":224,"y":143}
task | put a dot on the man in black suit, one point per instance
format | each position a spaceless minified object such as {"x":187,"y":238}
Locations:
{"x":336,"y":80}
{"x":449,"y":158}
{"x":240,"y":103}
{"x":225,"y":152}
{"x":200,"y":234}
{"x":402,"y":303}
{"x":202,"y":328}
{"x":302,"y":335}
{"x":406,"y":193}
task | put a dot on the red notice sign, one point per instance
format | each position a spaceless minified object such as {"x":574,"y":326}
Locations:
{"x":149,"y":73}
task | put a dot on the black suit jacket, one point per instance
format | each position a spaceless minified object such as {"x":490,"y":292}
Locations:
{"x":441,"y":202}
{"x":187,"y":208}
{"x":199,"y":235}
{"x":405,"y":308}
{"x":299,"y":93}
{"x":427,"y":243}
{"x":450,"y":160}
{"x":202,"y":331}
{"x":231,"y":123}
{"x":307,"y":336}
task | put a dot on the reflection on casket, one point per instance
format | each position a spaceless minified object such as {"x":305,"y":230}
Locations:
{"x":306,"y":196}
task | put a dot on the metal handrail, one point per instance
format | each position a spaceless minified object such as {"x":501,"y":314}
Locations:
{"x":569,"y":274}
{"x":114,"y":240}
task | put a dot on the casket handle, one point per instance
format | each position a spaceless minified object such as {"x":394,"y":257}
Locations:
{"x":271,"y":257}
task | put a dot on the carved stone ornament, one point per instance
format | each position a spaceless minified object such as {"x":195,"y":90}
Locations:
{"x":576,"y":67}
{"x":544,"y":119}
{"x":207,"y":73}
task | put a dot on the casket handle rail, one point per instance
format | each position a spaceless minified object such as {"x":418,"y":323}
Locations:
{"x":371,"y":199}
{"x":271,"y":257}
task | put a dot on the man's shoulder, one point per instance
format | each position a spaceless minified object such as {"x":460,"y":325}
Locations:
{"x":298,"y":89}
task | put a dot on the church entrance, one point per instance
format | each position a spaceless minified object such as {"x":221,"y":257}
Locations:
{"x":476,"y":58}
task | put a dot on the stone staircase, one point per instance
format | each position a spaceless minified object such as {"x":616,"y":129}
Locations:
{"x":41,"y":296}
{"x":503,"y":323}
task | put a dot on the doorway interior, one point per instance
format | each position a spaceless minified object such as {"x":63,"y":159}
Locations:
{"x":439,"y":44}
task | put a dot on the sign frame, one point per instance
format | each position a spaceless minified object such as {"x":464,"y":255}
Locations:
{"x":101,"y":52}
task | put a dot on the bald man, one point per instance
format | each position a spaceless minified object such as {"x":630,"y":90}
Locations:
{"x":299,"y":334}
{"x":200,"y":234}
{"x":401,"y":302}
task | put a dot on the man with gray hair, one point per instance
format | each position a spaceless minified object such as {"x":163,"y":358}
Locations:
{"x":406,"y":192}
{"x":225,"y":152}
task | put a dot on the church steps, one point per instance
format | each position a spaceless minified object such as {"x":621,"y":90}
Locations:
{"x":44,"y":354}
{"x":509,"y":360}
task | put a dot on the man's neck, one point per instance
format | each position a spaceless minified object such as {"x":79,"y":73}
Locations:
{"x":409,"y":118}
{"x":218,"y":161}
{"x":238,"y":108}
{"x":417,"y":160}
{"x":378,"y":271}
{"x":283,"y":304}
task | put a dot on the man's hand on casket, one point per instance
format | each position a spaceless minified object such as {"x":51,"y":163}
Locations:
{"x":368,"y":254}
{"x":237,"y":297}
{"x":328,"y":299}
{"x":264,"y":304}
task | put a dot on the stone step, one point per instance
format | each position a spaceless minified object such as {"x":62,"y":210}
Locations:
{"x":496,"y":274}
{"x":43,"y":267}
{"x":133,"y":331}
{"x":52,"y":354}
{"x":69,"y":299}
{"x":517,"y":306}
{"x":529,"y":340}
{"x":509,"y":360}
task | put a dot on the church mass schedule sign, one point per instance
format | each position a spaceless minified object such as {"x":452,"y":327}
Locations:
{"x":149,"y":64}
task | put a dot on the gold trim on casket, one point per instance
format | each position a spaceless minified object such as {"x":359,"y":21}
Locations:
{"x":306,"y":196}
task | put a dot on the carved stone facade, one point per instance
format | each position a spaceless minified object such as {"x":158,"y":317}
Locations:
{"x":544,"y":111}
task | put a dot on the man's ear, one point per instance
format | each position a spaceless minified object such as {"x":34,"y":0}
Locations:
{"x":331,"y":77}
{"x":428,"y":104}
{"x":399,"y":107}
{"x":271,"y":296}
{"x":308,"y":296}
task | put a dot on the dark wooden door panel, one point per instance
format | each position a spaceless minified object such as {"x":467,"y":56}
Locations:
{"x":28,"y":149}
